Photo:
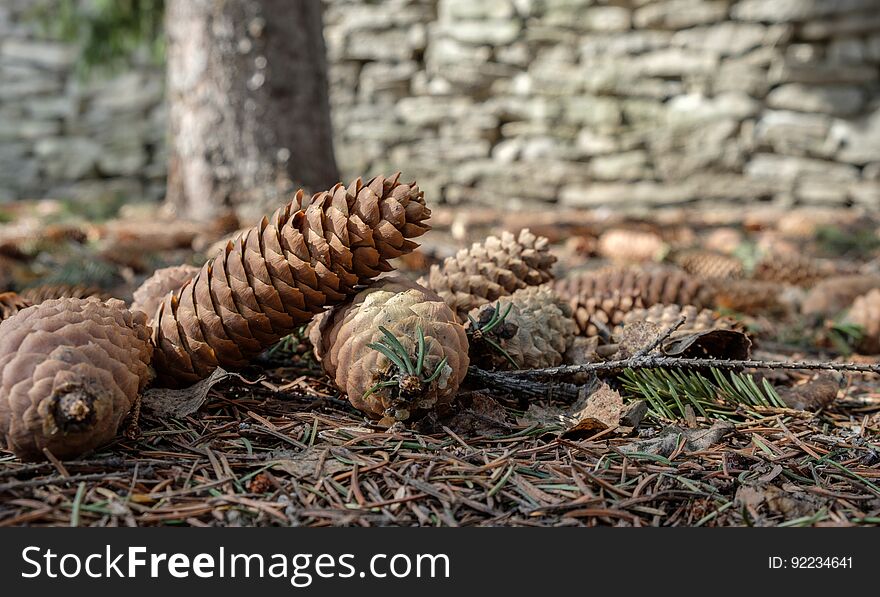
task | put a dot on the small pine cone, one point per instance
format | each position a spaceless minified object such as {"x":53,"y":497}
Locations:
{"x":795,"y":270}
{"x":342,"y":338}
{"x":47,"y":292}
{"x":753,"y":297}
{"x":723,"y":240}
{"x":665,"y":316}
{"x":494,"y":268}
{"x":606,"y":296}
{"x":151,"y":293}
{"x":865,"y":312}
{"x":709,"y":265}
{"x":534,"y":326}
{"x":620,"y":244}
{"x":283,"y":271}
{"x":70,"y":371}
{"x":11,"y":303}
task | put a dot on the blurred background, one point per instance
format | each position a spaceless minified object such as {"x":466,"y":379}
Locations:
{"x":504,"y":103}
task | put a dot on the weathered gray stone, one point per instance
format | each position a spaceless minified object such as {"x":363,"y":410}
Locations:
{"x":679,"y":14}
{"x":597,"y":18}
{"x":858,"y":141}
{"x":849,"y":25}
{"x":793,"y":133}
{"x":620,"y":193}
{"x":387,"y":45}
{"x":489,"y":32}
{"x":597,"y":111}
{"x":840,"y":100}
{"x":865,"y":193}
{"x":45,"y":54}
{"x":468,"y":9}
{"x":813,"y":72}
{"x":675,"y":62}
{"x":768,"y":166}
{"x":778,"y":11}
{"x":67,"y":158}
{"x":623,"y":43}
{"x":730,"y":38}
{"x":693,"y":108}
{"x":631,"y":165}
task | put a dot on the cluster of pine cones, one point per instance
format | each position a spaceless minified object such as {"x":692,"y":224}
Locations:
{"x":73,"y":366}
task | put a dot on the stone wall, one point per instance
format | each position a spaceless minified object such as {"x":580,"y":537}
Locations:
{"x":63,"y":135}
{"x":518,"y":102}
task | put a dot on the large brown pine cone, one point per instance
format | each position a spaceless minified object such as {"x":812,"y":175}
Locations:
{"x":665,"y":316}
{"x":865,"y":312}
{"x":11,"y":303}
{"x":151,"y":293}
{"x":605,"y":296}
{"x":494,"y":268}
{"x":341,"y":337}
{"x":708,"y":264}
{"x":70,"y":371}
{"x":536,"y":330}
{"x":280,"y":273}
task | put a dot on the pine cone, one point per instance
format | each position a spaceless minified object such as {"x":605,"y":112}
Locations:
{"x":533,"y":327}
{"x":280,"y":273}
{"x":832,"y":295}
{"x":709,"y":265}
{"x":665,"y":316}
{"x":723,"y":240}
{"x":753,"y":297}
{"x":151,"y":293}
{"x":344,"y":340}
{"x":865,"y":312}
{"x":606,"y":296}
{"x":796,"y":270}
{"x":620,"y":244}
{"x":10,"y":304}
{"x":492,"y":269}
{"x":47,"y":292}
{"x":70,"y":371}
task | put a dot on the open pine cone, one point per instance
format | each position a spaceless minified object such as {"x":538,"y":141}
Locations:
{"x":70,"y":371}
{"x":530,"y":329}
{"x":307,"y":256}
{"x":151,"y":293}
{"x":796,"y":270}
{"x":665,"y":316}
{"x":400,"y":316}
{"x":494,"y":268}
{"x":602,"y":298}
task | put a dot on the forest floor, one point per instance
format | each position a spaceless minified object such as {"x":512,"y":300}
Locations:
{"x":277,"y":444}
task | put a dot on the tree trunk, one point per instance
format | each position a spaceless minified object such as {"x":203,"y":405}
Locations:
{"x":248,"y":104}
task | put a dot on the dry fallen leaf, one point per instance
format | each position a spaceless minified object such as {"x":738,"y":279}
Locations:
{"x":591,"y":413}
{"x":184,"y":401}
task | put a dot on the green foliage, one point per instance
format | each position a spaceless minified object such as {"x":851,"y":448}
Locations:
{"x":749,"y":254}
{"x":839,"y":242}
{"x":727,"y":395}
{"x":111,"y":33}
{"x":845,"y":336}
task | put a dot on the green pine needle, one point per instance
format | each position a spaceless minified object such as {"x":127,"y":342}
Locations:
{"x":720,"y":396}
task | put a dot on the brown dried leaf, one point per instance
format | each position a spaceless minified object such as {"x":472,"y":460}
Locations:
{"x":721,"y":344}
{"x":591,"y":413}
{"x":185,"y":401}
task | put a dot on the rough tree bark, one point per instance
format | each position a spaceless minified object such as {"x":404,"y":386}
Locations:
{"x":248,"y":103}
